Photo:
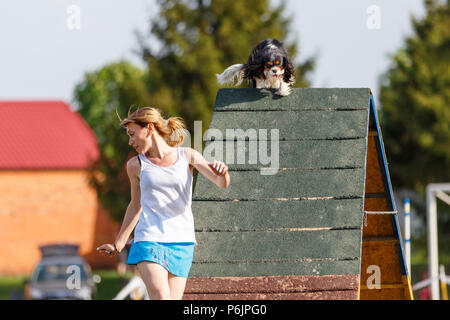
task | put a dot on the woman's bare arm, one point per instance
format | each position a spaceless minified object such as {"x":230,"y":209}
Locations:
{"x":134,"y":207}
{"x":133,"y":210}
{"x":216,"y":172}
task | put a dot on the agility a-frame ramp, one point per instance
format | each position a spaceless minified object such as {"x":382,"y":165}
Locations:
{"x":318,"y":223}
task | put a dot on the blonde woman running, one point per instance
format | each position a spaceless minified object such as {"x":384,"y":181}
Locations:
{"x":160,"y":207}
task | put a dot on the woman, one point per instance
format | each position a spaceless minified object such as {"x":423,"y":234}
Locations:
{"x":160,"y":207}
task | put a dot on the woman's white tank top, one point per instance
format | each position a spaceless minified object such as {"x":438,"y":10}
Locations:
{"x":166,"y":198}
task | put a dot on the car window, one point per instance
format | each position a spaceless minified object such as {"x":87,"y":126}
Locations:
{"x":54,"y":272}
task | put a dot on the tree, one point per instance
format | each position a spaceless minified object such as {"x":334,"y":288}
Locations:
{"x":102,"y":93}
{"x":199,"y":39}
{"x":415,"y":99}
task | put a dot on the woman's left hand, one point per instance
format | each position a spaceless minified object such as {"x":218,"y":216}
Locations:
{"x":219,"y":167}
{"x":107,"y":249}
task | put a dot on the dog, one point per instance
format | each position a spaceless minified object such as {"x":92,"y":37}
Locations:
{"x":268,"y":66}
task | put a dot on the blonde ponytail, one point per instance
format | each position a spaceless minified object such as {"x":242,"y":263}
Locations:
{"x":171,"y":130}
{"x":177,"y":128}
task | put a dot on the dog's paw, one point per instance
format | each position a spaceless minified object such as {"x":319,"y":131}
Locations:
{"x":284,"y":92}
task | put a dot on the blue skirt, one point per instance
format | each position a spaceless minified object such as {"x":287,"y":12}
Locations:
{"x":176,"y":257}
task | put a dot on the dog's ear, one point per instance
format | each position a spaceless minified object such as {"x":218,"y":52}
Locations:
{"x":289,"y":70}
{"x":255,"y":64}
{"x":256,"y":57}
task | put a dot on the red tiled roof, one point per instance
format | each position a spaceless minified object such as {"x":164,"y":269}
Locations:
{"x":44,"y":135}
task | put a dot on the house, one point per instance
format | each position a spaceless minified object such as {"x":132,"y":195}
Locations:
{"x":310,"y":211}
{"x":46,"y":150}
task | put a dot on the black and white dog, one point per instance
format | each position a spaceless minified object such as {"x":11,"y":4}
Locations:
{"x":268,"y":66}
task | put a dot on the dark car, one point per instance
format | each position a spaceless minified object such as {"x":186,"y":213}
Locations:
{"x":62,"y":274}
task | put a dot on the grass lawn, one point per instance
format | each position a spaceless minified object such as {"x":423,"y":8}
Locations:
{"x":111,"y":283}
{"x":11,"y":286}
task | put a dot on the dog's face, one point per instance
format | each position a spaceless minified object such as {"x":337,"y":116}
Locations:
{"x":268,"y":66}
{"x":273,"y":66}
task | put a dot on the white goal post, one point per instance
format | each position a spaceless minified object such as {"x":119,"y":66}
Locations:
{"x":434,"y":190}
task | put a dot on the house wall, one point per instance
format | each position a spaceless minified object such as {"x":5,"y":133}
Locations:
{"x":39,"y":207}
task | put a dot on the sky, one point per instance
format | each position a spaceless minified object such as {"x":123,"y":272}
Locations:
{"x":47,"y":45}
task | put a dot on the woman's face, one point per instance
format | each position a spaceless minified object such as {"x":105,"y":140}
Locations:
{"x":139,"y":137}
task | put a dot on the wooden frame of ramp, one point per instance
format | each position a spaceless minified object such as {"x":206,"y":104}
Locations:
{"x":322,"y":225}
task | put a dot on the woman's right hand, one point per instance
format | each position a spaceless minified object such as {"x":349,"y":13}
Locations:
{"x":107,"y":249}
